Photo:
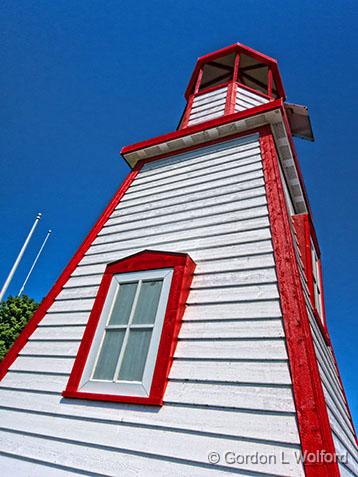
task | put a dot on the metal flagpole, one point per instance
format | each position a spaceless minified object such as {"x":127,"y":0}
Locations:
{"x":19,"y":257}
{"x":34,"y":263}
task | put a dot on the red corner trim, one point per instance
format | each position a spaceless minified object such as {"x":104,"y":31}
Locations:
{"x":146,"y":260}
{"x":313,"y":423}
{"x":55,"y":290}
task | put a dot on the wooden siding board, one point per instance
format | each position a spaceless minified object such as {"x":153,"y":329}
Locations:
{"x":230,"y":381}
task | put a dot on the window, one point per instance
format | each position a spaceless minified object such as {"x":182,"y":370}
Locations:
{"x":311,"y":261}
{"x":130,"y":338}
{"x":217,"y":72}
{"x":316,"y":280}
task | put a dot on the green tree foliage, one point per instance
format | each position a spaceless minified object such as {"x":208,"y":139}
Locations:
{"x":15,"y":312}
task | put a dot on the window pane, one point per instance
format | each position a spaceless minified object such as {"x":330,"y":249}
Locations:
{"x":147,"y":304}
{"x":108,"y":357}
{"x":135,"y":355}
{"x":123,"y":305}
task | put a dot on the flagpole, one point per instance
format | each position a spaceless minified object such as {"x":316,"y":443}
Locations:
{"x":19,"y":257}
{"x":34,"y":263}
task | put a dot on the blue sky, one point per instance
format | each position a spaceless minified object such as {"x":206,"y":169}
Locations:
{"x":81,"y":79}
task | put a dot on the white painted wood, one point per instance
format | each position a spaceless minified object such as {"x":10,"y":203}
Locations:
{"x":160,"y":201}
{"x":231,"y":157}
{"x":202,"y":173}
{"x":205,"y":217}
{"x":205,"y":118}
{"x":222,"y":178}
{"x":240,"y":250}
{"x":230,"y":311}
{"x":35,"y":382}
{"x":351,"y":467}
{"x":266,"y":275}
{"x":270,"y":372}
{"x":168,"y":210}
{"x":106,"y":461}
{"x":30,"y":468}
{"x":238,"y":396}
{"x":238,"y":423}
{"x":233,"y":294}
{"x":51,"y":348}
{"x":232,"y":329}
{"x":42,"y":364}
{"x":232,"y":349}
{"x":217,"y":265}
{"x":116,"y":436}
{"x":64,"y":319}
{"x":212,"y":108}
{"x":44,"y":332}
{"x":191,"y":239}
{"x":200,"y":156}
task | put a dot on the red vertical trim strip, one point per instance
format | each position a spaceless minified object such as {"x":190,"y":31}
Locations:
{"x":269,"y":81}
{"x":55,"y":290}
{"x":187,"y":113}
{"x":313,"y":423}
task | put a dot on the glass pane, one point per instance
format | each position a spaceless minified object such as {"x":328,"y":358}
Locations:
{"x":123,"y":304}
{"x":147,"y":304}
{"x":135,"y":355}
{"x":108,"y":357}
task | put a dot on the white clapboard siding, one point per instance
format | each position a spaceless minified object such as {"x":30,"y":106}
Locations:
{"x":213,"y":154}
{"x":170,"y":211}
{"x":264,"y":349}
{"x":279,"y":427}
{"x":270,"y":372}
{"x":246,"y":99}
{"x":93,"y":264}
{"x":229,"y":386}
{"x":123,"y":438}
{"x":160,"y":201}
{"x":208,"y":106}
{"x":233,"y":329}
{"x":218,"y":179}
{"x":238,"y":264}
{"x":339,"y":418}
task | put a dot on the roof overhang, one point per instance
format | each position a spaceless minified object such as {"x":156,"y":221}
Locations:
{"x":299,"y":119}
{"x":272,"y":114}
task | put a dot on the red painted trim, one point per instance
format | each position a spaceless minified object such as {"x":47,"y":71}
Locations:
{"x":213,"y":88}
{"x":240,"y":48}
{"x":272,"y":105}
{"x":230,"y":98}
{"x":269,"y":82}
{"x":188,"y":109}
{"x":146,"y":260}
{"x":50,"y":298}
{"x":314,"y":427}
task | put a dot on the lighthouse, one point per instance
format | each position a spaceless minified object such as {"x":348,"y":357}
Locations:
{"x":188,"y":335}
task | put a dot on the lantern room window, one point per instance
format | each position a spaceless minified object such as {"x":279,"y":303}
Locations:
{"x":217,"y":72}
{"x":128,"y":345}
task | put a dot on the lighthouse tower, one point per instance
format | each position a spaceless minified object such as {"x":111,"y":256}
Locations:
{"x":188,"y":336}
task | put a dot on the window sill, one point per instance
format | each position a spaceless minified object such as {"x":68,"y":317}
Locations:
{"x":149,"y":401}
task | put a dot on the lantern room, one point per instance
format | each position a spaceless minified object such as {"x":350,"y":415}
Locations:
{"x":228,"y":81}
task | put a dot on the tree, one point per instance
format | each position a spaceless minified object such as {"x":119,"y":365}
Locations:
{"x":15,"y":312}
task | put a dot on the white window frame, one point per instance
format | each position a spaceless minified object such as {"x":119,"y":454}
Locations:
{"x":127,"y":388}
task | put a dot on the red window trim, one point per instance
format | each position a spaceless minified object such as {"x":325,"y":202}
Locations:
{"x":312,"y":415}
{"x":305,"y":233}
{"x":183,"y":267}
